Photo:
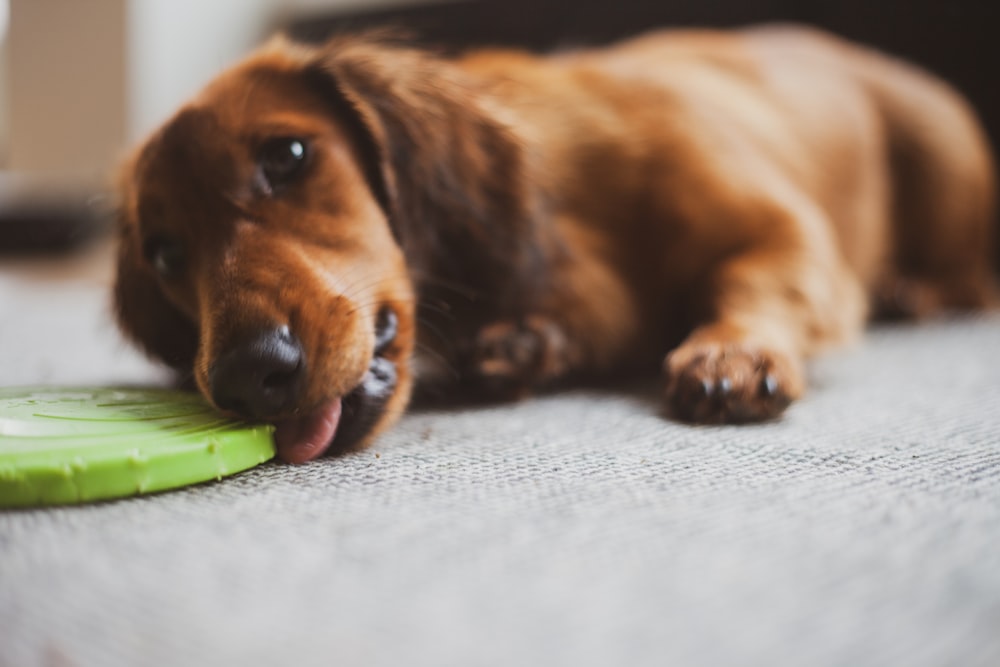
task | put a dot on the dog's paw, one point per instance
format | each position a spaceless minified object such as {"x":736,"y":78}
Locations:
{"x":510,"y":358}
{"x":717,"y":383}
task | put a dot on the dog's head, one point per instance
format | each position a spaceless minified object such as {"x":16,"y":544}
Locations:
{"x":270,"y":232}
{"x":255,"y":252}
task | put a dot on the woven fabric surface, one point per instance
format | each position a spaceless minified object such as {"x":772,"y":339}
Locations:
{"x":574,"y":529}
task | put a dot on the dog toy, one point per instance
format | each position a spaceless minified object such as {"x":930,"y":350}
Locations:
{"x":62,"y":446}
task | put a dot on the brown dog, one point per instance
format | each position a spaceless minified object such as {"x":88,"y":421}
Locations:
{"x":322,"y":224}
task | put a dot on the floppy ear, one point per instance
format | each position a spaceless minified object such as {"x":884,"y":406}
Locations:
{"x":448,"y":173}
{"x":143,"y":311}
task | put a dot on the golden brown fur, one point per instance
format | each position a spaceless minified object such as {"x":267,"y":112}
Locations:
{"x":723,"y":203}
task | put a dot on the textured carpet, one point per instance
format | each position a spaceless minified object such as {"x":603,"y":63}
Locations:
{"x":577,"y":529}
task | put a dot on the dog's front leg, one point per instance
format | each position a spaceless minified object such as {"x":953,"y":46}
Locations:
{"x":769,"y":307}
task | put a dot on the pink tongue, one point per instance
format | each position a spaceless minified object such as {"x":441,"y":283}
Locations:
{"x":304,"y":438}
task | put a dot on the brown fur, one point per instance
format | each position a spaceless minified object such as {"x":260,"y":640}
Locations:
{"x":726,"y":204}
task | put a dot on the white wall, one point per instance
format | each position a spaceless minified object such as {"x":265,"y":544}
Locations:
{"x":176,"y":46}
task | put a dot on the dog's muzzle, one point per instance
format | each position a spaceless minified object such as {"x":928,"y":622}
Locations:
{"x":265,"y":376}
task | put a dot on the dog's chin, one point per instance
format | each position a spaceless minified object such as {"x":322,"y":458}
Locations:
{"x":340,"y":424}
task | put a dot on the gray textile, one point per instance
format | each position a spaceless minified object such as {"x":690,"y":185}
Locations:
{"x":576,"y":529}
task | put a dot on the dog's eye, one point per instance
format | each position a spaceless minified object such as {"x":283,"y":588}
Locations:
{"x":281,"y":159}
{"x":166,"y":256}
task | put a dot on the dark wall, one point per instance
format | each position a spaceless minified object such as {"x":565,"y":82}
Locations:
{"x":960,"y":39}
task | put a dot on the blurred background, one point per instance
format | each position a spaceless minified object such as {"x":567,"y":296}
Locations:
{"x":81,"y":80}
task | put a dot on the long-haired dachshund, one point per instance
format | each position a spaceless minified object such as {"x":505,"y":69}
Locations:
{"x":321,"y":226}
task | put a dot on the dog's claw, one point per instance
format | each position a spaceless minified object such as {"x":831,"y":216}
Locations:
{"x":707,"y":387}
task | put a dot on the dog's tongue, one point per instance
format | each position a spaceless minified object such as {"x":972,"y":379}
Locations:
{"x":304,"y":438}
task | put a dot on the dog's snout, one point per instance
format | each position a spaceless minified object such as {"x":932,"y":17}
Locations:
{"x":261,"y":376}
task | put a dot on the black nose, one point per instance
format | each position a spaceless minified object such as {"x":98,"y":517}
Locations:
{"x":260,"y":376}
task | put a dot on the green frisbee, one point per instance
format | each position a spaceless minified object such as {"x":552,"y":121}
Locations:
{"x":61,"y":446}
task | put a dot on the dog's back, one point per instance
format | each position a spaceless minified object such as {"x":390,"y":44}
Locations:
{"x":895,"y":157}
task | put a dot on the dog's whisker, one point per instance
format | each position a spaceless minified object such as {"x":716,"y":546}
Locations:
{"x":441,"y":308}
{"x":439,"y":358}
{"x":449,"y":341}
{"x":356,"y":286}
{"x":464,"y":291}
